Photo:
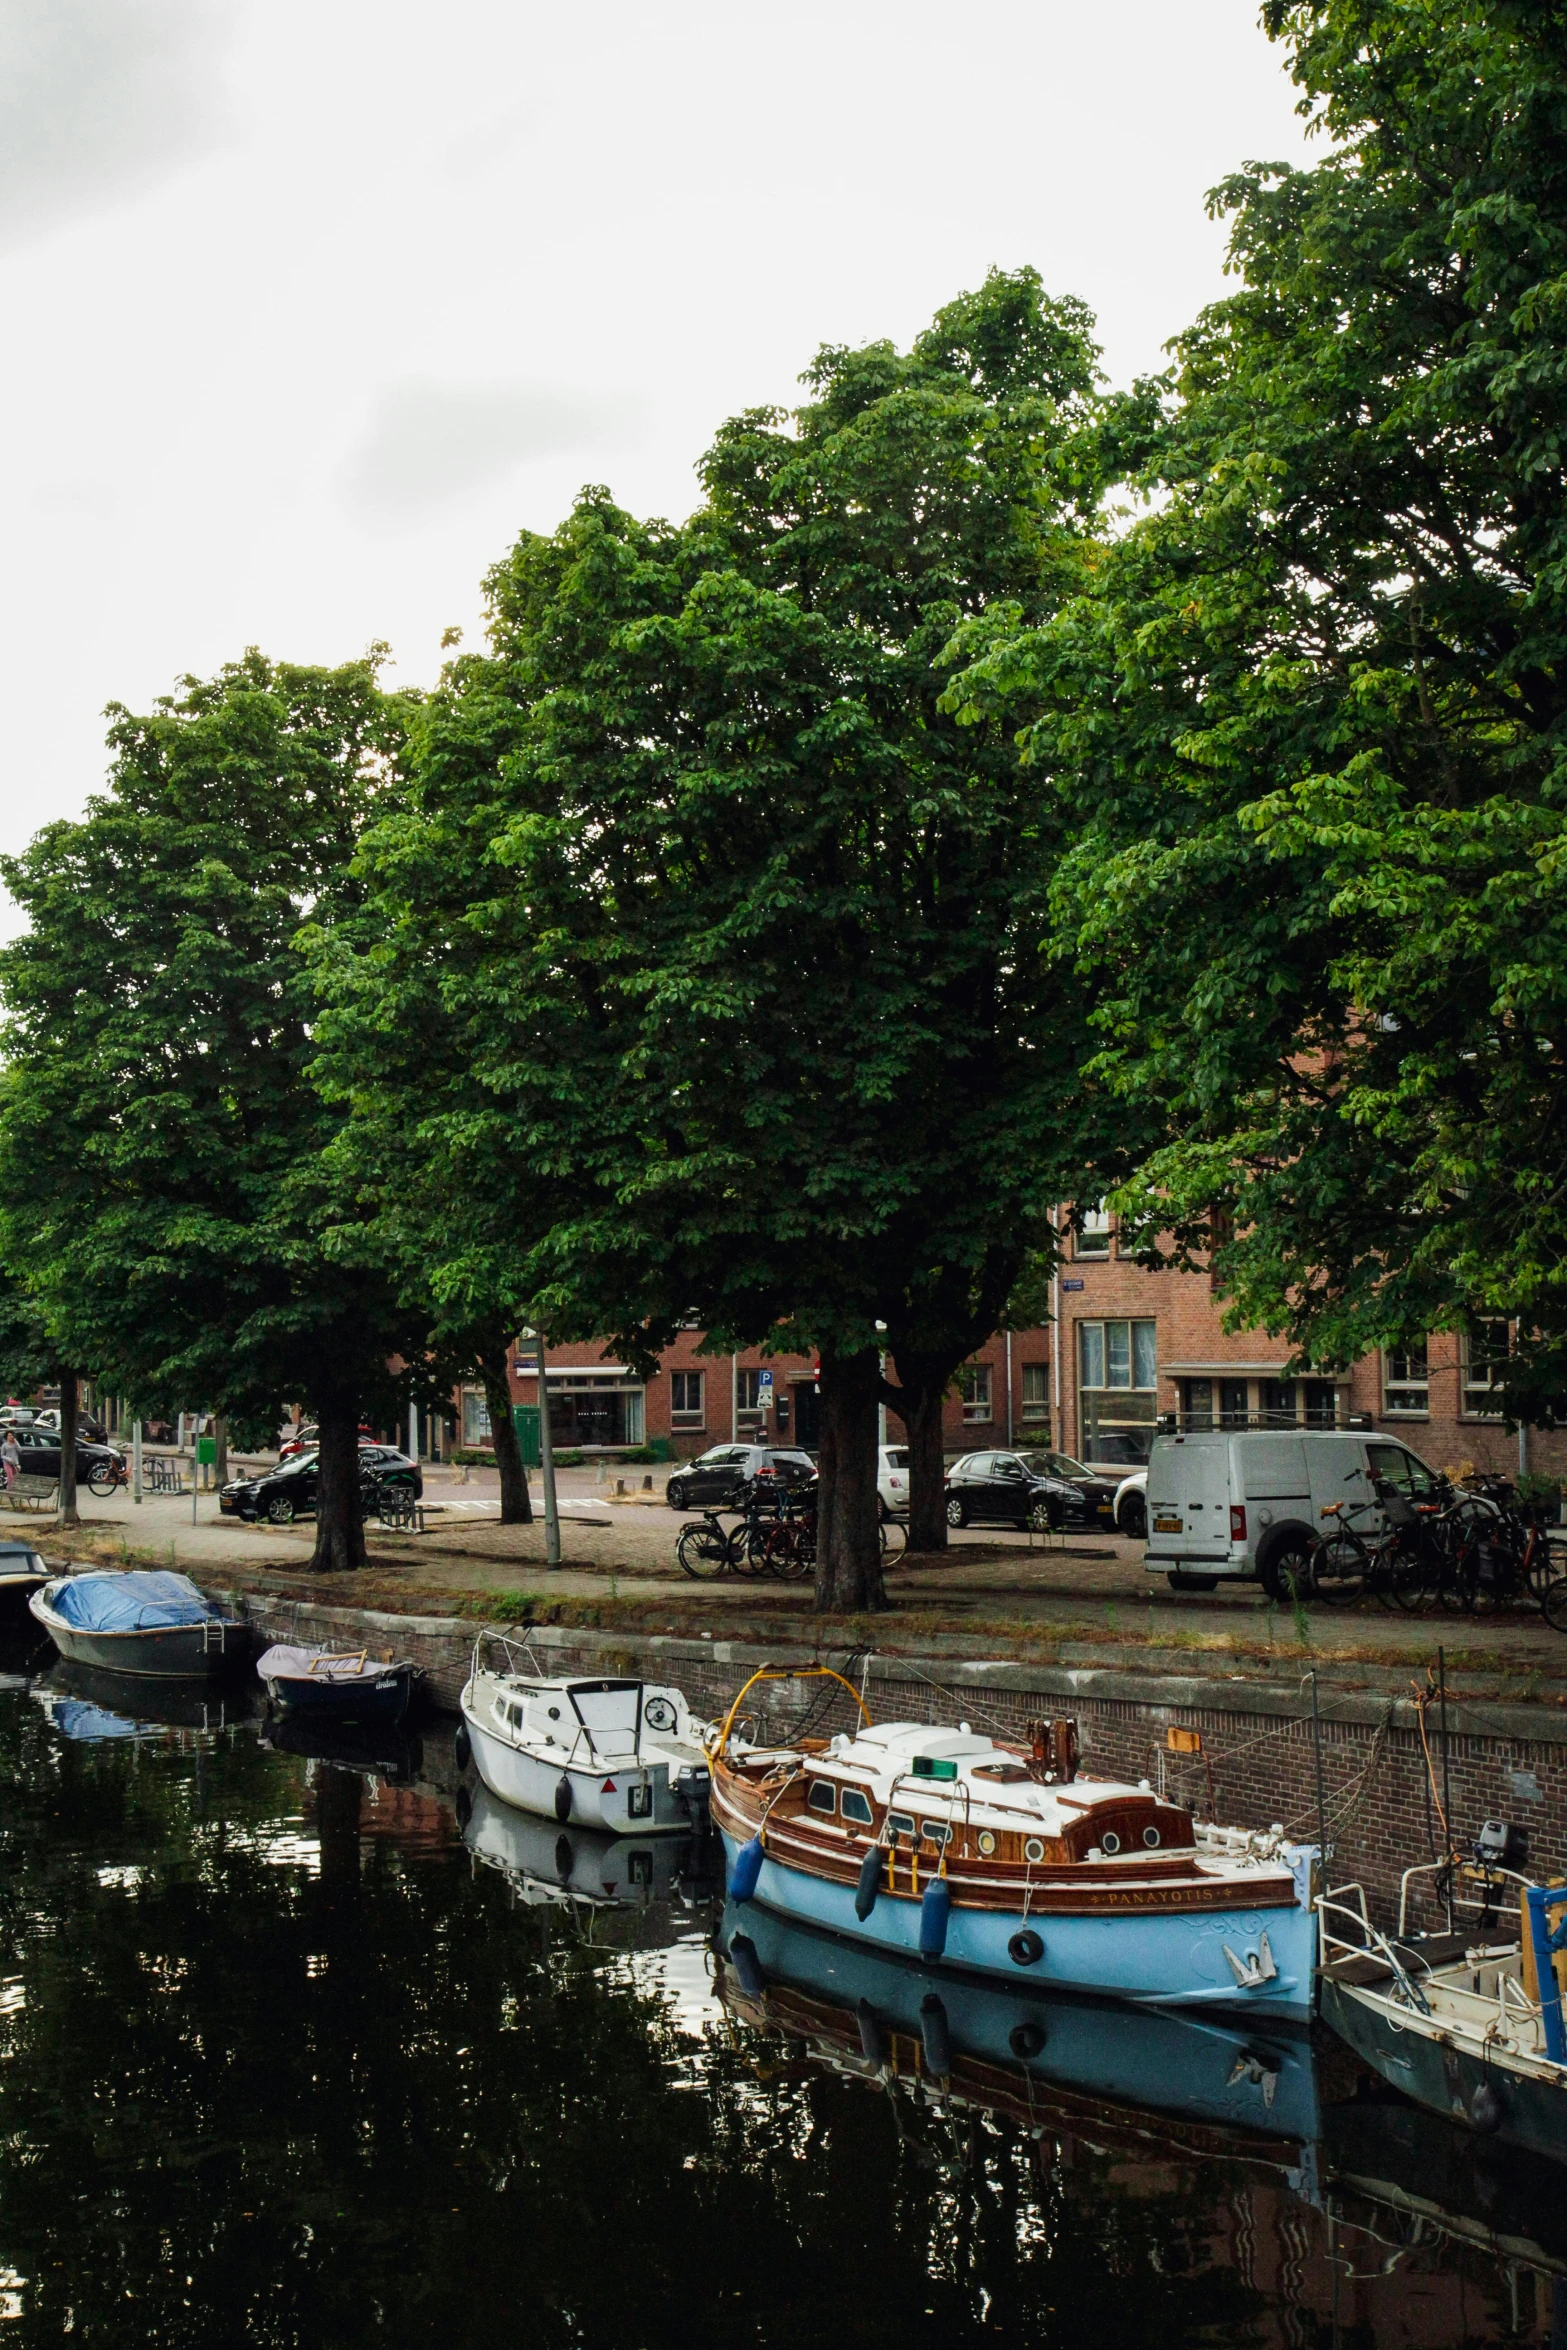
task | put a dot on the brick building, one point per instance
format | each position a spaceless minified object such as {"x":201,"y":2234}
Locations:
{"x":1127,"y":1347}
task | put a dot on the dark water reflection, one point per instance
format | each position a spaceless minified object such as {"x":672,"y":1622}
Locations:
{"x":284,"y":2061}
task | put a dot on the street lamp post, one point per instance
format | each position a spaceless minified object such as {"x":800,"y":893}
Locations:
{"x":547,"y":1461}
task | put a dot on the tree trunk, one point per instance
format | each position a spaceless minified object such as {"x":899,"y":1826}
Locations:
{"x":848,"y":1541}
{"x":516,"y":1502}
{"x":68,"y":1413}
{"x":927,"y":1466}
{"x":340,"y":1522}
{"x":220,"y":1431}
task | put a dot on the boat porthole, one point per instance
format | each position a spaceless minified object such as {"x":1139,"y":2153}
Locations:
{"x":1109,"y":1841}
{"x":1150,"y":1837}
{"x":1034,"y":1849}
{"x":987,"y":1842}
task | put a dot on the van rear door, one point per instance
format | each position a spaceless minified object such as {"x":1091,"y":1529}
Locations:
{"x":1188,"y":1502}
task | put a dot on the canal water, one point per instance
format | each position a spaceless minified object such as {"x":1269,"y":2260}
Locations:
{"x":298,"y":2050}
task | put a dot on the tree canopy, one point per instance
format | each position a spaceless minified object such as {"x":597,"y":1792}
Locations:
{"x":165,"y":1194}
{"x":1308,"y":720}
{"x":703,"y":968}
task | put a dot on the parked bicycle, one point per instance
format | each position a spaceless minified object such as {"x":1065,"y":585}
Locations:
{"x":708,"y":1548}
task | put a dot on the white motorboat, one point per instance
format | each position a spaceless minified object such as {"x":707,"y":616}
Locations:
{"x":623,"y":1756}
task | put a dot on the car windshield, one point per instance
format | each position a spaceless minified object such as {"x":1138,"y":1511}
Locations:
{"x":300,"y":1461}
{"x":1053,"y":1464}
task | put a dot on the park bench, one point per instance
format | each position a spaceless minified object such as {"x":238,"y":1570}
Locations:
{"x":31,"y":1493}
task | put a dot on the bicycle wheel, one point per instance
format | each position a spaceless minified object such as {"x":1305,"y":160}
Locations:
{"x":1553,"y":1607}
{"x":1547,"y":1563}
{"x":1339,"y":1569}
{"x":702,"y":1550}
{"x":793,"y":1555}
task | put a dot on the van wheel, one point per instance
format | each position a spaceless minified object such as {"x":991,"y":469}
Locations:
{"x":1179,"y":1582}
{"x":1134,"y":1519}
{"x":1285,"y":1570}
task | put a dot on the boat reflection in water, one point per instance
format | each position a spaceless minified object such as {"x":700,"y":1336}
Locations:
{"x":89,"y":1702}
{"x":584,"y":1867}
{"x":1000,"y":2048}
{"x":1339,"y":2197}
{"x":381,"y":1751}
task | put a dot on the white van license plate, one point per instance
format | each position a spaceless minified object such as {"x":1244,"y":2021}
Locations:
{"x":1168,"y":1526}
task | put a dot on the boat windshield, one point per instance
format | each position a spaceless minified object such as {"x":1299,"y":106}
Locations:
{"x":1053,"y":1464}
{"x":608,"y":1710}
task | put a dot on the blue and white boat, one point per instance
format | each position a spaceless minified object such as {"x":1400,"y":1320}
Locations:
{"x":155,"y":1624}
{"x":1000,"y":1860}
{"x":335,"y":1685}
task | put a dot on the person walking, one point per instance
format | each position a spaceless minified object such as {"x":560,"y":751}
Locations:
{"x":10,"y":1458}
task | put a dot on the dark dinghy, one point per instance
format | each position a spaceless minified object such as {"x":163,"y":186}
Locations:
{"x":354,"y":1688}
{"x":157,"y":1626}
{"x":22,"y":1572}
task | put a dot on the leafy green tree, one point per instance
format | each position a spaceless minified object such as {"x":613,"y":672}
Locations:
{"x":1310,"y":715}
{"x":725,"y":939}
{"x":168,"y":1201}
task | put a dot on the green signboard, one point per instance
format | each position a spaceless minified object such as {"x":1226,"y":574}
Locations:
{"x":526,"y":1416}
{"x":206,"y":1452}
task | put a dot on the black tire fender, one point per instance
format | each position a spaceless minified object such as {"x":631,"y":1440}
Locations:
{"x":1026,"y":1948}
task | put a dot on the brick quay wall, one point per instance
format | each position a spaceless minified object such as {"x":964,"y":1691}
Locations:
{"x":1382,"y":1775}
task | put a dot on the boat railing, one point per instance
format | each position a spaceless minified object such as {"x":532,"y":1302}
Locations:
{"x":1334,"y":1946}
{"x":519,"y":1657}
{"x":1460,"y":1872}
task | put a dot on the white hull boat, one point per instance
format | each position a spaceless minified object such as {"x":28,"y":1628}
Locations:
{"x":622,"y":1756}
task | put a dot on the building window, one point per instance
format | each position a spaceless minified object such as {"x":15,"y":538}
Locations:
{"x":1321,"y":1403}
{"x":1278,"y":1404}
{"x":1486,"y":1349}
{"x":1036,"y":1391}
{"x":1405,"y":1381}
{"x":1118,"y":1375}
{"x":475,"y":1416}
{"x":974,"y":1387}
{"x":1093,"y":1239}
{"x":1197,"y":1403}
{"x":748,"y":1394}
{"x":685,"y":1396}
{"x":594,"y":1412}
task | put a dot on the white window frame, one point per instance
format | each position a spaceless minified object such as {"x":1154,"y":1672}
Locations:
{"x":476,"y":1417}
{"x":687,"y":1415}
{"x":1036,"y":1405}
{"x":1130,"y":1385}
{"x":1472,"y":1408}
{"x":1095,"y":1229}
{"x":975,"y":1387}
{"x":748,"y":1383}
{"x":1406,"y":1382}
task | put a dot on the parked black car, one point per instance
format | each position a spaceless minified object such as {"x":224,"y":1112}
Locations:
{"x":98,"y":1466}
{"x":1044,"y":1490}
{"x":289,"y":1491}
{"x":723,"y":1477}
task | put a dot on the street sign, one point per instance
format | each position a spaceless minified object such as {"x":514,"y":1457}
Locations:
{"x":764,"y":1389}
{"x":206,"y":1452}
{"x":1071,"y":1285}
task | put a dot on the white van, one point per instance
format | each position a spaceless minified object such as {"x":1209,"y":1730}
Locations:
{"x":1249,"y":1501}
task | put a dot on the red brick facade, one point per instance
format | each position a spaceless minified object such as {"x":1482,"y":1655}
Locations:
{"x":1128,"y":1346}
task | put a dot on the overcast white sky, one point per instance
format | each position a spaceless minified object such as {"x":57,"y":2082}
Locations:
{"x":309,"y":305}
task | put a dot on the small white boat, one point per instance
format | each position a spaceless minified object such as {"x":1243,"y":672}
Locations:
{"x":623,"y":1756}
{"x":1457,"y":2021}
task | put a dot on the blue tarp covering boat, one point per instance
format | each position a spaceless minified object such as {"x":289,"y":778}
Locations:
{"x":131,"y":1603}
{"x":156,"y":1623}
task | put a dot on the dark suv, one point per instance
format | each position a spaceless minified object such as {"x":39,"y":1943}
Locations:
{"x":1044,"y":1490}
{"x":289,"y":1491}
{"x":724,"y":1476}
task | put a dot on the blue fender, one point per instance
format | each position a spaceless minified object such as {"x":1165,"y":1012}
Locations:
{"x":934,"y":2033}
{"x":935,"y":1909}
{"x":747,"y":1868}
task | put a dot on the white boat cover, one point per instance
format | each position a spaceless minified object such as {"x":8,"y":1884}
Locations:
{"x":285,"y":1663}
